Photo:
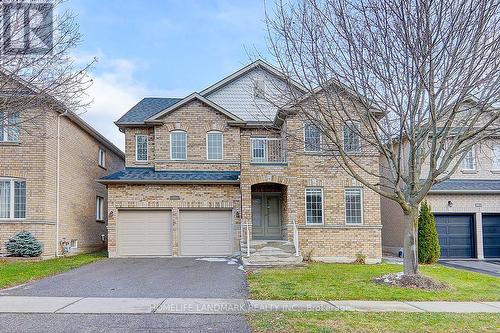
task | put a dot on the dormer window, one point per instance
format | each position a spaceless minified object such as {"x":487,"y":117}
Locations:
{"x":9,"y":126}
{"x":259,"y":88}
{"x":178,"y":145}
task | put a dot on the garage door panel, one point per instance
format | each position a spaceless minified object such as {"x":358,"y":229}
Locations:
{"x":455,"y":235}
{"x":144,"y":233}
{"x":491,"y":235}
{"x":205,"y":233}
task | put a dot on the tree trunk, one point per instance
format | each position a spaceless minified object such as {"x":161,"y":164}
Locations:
{"x":410,"y":241}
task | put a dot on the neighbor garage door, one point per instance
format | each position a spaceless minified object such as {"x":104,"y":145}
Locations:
{"x":491,"y":235}
{"x":144,"y":233}
{"x":455,"y":235}
{"x":205,"y":233}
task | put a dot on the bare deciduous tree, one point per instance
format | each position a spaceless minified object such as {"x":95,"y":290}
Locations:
{"x":421,"y":77}
{"x":37,"y":71}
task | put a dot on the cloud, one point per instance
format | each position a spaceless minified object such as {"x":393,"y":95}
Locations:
{"x":113,"y":92}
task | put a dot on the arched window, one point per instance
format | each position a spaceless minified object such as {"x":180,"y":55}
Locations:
{"x":215,"y":145}
{"x":178,"y":145}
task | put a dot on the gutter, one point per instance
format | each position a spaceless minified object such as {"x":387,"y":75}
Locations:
{"x":65,"y":113}
{"x":141,"y":181}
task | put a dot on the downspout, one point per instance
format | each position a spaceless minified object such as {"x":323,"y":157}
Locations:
{"x":57,"y":179}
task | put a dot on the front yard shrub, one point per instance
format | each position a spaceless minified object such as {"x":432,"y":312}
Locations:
{"x":24,"y":244}
{"x":428,"y":241}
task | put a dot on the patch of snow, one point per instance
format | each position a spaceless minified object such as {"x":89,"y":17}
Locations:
{"x":230,"y":262}
{"x":241,"y":268}
{"x":213,"y":259}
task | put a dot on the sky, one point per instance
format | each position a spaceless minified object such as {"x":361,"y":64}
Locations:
{"x":161,"y":48}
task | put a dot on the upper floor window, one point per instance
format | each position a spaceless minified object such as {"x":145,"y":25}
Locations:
{"x":469,"y":162}
{"x":215,"y":145}
{"x":141,"y":148}
{"x":314,"y":206}
{"x":496,"y":157}
{"x":352,"y":143}
{"x":258,"y":150}
{"x":99,"y":211}
{"x":9,"y":127}
{"x":353,"y":206}
{"x":312,"y":138}
{"x":259,"y":88}
{"x":12,"y":198}
{"x":178,"y":145}
{"x":102,"y":158}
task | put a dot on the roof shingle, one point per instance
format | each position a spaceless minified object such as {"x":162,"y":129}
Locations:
{"x":146,"y":108}
{"x":467,"y":185}
{"x":149,"y":175}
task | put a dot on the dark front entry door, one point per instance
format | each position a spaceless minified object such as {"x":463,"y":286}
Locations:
{"x":266,"y":216}
{"x":455,"y":235}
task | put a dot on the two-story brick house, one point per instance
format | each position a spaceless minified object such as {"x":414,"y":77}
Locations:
{"x":50,"y":161}
{"x":466,"y":207}
{"x":206,"y":171}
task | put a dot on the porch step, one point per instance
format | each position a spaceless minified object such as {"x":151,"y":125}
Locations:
{"x":270,"y":253}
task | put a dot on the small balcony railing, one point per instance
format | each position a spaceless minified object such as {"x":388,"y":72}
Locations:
{"x":268,"y":151}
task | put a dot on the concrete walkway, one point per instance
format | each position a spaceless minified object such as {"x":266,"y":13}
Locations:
{"x":114,"y":305}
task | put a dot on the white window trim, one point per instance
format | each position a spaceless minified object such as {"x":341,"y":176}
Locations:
{"x":5,"y":128}
{"x":12,"y":198}
{"x":76,"y":244}
{"x":362,"y":205}
{"x":349,"y":125}
{"x":99,"y":209}
{"x":264,"y":149}
{"x":222,"y":147}
{"x":322,"y":205}
{"x":147,"y":147}
{"x":494,"y":157}
{"x":474,"y":161}
{"x":178,"y":159}
{"x":102,"y":162}
{"x":320,"y":140}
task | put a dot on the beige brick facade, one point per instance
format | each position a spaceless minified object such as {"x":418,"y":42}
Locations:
{"x":332,"y":241}
{"x":34,"y":159}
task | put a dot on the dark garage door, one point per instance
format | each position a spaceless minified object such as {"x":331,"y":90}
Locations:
{"x":491,"y":235}
{"x":455,"y":235}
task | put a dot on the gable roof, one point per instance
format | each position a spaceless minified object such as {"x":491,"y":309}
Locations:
{"x":146,"y":108}
{"x":188,"y":99}
{"x":256,"y":64}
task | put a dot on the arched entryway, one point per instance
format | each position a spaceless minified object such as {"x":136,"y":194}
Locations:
{"x":269,"y":215}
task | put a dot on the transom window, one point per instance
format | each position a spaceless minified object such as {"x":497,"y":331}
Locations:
{"x":141,"y":148}
{"x":496,"y":157}
{"x":12,"y":199}
{"x":352,"y":142}
{"x":178,"y":145}
{"x":102,"y":158}
{"x":99,"y":211}
{"x":9,"y":127}
{"x":353,"y":206}
{"x":312,"y":138}
{"x":469,"y":162}
{"x":215,"y":145}
{"x":314,"y":206}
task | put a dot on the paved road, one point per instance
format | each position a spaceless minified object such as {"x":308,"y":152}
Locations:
{"x":122,"y":323}
{"x":490,"y":267}
{"x":144,"y":277}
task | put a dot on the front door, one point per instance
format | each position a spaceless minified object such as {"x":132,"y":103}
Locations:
{"x":266,"y":216}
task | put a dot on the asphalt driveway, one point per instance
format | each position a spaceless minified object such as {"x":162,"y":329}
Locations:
{"x":143,"y":277}
{"x":490,"y":267}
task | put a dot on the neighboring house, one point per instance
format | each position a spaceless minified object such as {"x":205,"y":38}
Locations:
{"x":48,"y":183}
{"x":206,"y":171}
{"x":466,"y":208}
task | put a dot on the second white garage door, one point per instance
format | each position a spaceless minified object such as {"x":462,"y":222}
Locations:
{"x":205,"y":233}
{"x":144,"y":233}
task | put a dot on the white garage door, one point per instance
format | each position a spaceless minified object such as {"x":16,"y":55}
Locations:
{"x":144,"y":233}
{"x":206,"y":233}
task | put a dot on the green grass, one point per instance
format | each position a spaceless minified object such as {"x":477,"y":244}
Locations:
{"x":19,"y":272}
{"x":319,"y":281}
{"x":323,"y":322}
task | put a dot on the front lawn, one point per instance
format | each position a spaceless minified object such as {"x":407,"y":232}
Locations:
{"x":14,"y":273}
{"x":340,"y":321}
{"x":319,"y":281}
